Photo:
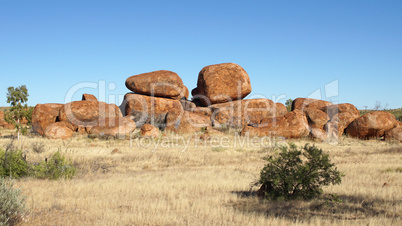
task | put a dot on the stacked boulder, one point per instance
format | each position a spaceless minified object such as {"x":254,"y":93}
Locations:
{"x":88,"y":116}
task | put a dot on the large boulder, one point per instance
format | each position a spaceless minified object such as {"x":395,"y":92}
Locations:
{"x":343,"y":119}
{"x":150,"y":131}
{"x":316,"y":118}
{"x":152,"y":108}
{"x":371,"y":125}
{"x":157,"y":83}
{"x":243,"y":112}
{"x":332,"y":110}
{"x":293,"y":125}
{"x":188,"y":122}
{"x":394,"y":134}
{"x":59,"y":130}
{"x":44,"y":115}
{"x":137,"y":102}
{"x":203,"y":110}
{"x":184,"y":94}
{"x":187,"y":105}
{"x":88,"y":113}
{"x":222,"y":83}
{"x":113,"y":126}
{"x":303,"y":103}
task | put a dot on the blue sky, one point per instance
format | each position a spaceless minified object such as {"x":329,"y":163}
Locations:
{"x":290,"y":49}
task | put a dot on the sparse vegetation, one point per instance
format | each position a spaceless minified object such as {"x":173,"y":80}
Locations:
{"x":295,"y":174}
{"x":288,"y":104}
{"x":12,"y":203}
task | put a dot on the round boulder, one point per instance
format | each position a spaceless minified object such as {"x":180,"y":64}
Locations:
{"x":59,"y":130}
{"x":371,"y":125}
{"x":157,"y":83}
{"x":222,"y":83}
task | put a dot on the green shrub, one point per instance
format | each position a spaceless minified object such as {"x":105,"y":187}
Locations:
{"x":12,"y":164}
{"x":297,"y":174}
{"x":54,"y":168}
{"x":38,"y":147}
{"x":12,"y":203}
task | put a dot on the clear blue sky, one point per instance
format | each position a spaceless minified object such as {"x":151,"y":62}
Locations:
{"x":288,"y":48}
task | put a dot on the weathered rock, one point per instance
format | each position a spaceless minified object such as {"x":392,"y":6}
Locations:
{"x":88,"y":113}
{"x":243,"y":112}
{"x":344,"y":119}
{"x":222,"y":83}
{"x":203,"y":110}
{"x":281,"y":109}
{"x":184,"y":93}
{"x":293,"y":125}
{"x":394,"y":134}
{"x":157,"y":83}
{"x":59,"y":130}
{"x":113,"y":126}
{"x":149,"y":130}
{"x":371,"y":125}
{"x":303,"y":103}
{"x":316,"y":118}
{"x":187,"y":105}
{"x":188,"y":122}
{"x":90,"y":97}
{"x":333,"y":129}
{"x":332,"y":110}
{"x":137,"y":102}
{"x":318,"y":133}
{"x":44,"y":115}
{"x":153,"y":108}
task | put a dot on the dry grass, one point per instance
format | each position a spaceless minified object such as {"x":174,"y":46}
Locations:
{"x":206,"y":184}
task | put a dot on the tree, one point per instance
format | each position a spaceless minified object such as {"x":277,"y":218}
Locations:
{"x":17,"y":98}
{"x":288,"y":104}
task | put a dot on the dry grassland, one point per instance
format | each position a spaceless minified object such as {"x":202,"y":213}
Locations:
{"x":204,"y":184}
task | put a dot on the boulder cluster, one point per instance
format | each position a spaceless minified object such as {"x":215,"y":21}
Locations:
{"x":159,"y":101}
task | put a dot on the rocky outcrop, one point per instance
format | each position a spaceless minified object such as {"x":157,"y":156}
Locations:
{"x":59,"y":130}
{"x":44,"y":115}
{"x":157,"y":83}
{"x":332,"y":110}
{"x":222,"y":83}
{"x":157,"y":105}
{"x":371,"y":125}
{"x":293,"y":125}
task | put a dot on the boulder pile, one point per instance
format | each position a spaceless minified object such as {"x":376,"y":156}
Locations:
{"x":159,"y":101}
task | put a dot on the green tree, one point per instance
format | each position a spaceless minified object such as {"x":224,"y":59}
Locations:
{"x":297,"y":174}
{"x":17,"y":98}
{"x":288,"y":104}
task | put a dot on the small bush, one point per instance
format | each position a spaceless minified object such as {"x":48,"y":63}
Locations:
{"x":38,"y":147}
{"x":288,"y":176}
{"x":12,"y":204}
{"x":12,"y":164}
{"x":54,"y":168}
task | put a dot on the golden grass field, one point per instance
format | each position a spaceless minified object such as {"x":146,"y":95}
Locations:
{"x":205,"y":184}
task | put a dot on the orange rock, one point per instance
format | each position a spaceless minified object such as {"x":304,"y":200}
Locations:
{"x":113,"y":126}
{"x":303,"y":103}
{"x":203,"y":110}
{"x":44,"y":115}
{"x":243,"y":112}
{"x":88,"y":113}
{"x":153,"y":105}
{"x":394,"y":134}
{"x":59,"y":130}
{"x":316,"y":118}
{"x":344,"y":119}
{"x":149,"y":130}
{"x":188,"y":122}
{"x":222,"y":83}
{"x":157,"y":83}
{"x":332,"y":110}
{"x":371,"y":125}
{"x":91,"y":97}
{"x":293,"y":125}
